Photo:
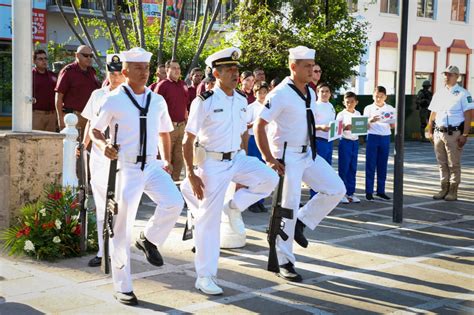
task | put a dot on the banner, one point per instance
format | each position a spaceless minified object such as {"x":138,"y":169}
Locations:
{"x":152,"y":9}
{"x":360,"y":125}
{"x":336,"y":127}
{"x":38,"y":20}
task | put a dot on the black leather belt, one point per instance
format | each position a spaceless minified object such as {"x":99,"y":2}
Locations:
{"x":227,"y":156}
{"x":448,"y":129}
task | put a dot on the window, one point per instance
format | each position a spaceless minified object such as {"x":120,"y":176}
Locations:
{"x":426,"y":8}
{"x":388,"y":79}
{"x":352,"y":6}
{"x":389,"y":6}
{"x":420,"y":77}
{"x":459,"y":10}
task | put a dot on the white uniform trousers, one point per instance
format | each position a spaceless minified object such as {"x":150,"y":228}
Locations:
{"x":159,"y":186}
{"x":99,"y":167}
{"x":320,"y":177}
{"x":216,"y":176}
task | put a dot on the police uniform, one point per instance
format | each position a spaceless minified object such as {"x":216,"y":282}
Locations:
{"x":423,"y":100}
{"x":139,"y":171}
{"x":285,"y":111}
{"x":219,"y":121}
{"x":449,"y":104}
{"x":98,"y":163}
{"x":378,"y":147}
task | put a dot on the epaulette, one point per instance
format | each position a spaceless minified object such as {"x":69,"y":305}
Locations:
{"x":205,"y":95}
{"x":241,"y":93}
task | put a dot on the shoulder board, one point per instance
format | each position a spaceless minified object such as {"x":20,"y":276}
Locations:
{"x":205,"y":95}
{"x":241,"y":93}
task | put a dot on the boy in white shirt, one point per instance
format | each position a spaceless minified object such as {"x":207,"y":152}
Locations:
{"x":381,"y":118}
{"x":260,"y":90}
{"x":324,"y":114}
{"x":348,"y":148}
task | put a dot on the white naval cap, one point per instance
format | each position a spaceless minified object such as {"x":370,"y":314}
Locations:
{"x":136,"y":54}
{"x":301,"y":52}
{"x":114,"y":62}
{"x":228,"y":56}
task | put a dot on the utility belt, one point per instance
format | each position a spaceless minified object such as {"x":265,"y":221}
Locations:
{"x":68,"y":110}
{"x":201,"y":154}
{"x":450,"y":129}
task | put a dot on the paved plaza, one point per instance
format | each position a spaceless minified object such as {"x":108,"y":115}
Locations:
{"x":358,"y":261}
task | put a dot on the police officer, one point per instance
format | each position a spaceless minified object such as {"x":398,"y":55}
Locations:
{"x":218,"y":121}
{"x":290,"y":110}
{"x":423,"y":100}
{"x":98,"y":164}
{"x":451,"y":114}
{"x":144,"y":124}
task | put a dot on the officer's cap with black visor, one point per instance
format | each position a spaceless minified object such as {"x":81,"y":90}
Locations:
{"x":226,"y":57}
{"x":114,"y":62}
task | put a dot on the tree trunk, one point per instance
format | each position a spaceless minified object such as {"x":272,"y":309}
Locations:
{"x":176,"y":35}
{"x":141,"y":30}
{"x":61,"y":10}
{"x":109,"y":27}
{"x":196,"y":17}
{"x":86,"y":33}
{"x":131,"y":10}
{"x":162,"y":32}
{"x":204,"y":20}
{"x":121,"y":25}
{"x":204,"y":39}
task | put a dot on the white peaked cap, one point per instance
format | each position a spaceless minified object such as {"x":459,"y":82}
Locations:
{"x":136,"y":54}
{"x":228,"y":56}
{"x":302,"y":52}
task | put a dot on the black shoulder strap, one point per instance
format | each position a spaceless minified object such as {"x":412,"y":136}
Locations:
{"x":143,"y":133}
{"x":205,"y":95}
{"x":311,"y":124}
{"x":241,"y":93}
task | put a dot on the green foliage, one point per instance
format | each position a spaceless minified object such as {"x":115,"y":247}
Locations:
{"x":49,"y":229}
{"x":265,"y":35}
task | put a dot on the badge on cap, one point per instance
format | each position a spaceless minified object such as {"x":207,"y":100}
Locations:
{"x":228,"y":56}
{"x":114,"y":62}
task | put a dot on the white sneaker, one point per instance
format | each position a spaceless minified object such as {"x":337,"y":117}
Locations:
{"x":208,"y":285}
{"x":345,"y":200}
{"x":354,"y":199}
{"x":235,"y":219}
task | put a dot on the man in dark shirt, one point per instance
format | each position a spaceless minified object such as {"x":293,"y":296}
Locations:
{"x":316,"y":78}
{"x":196,"y":78}
{"x":75,"y":85}
{"x":423,"y":100}
{"x":259,"y":75}
{"x":44,"y":81}
{"x":160,"y":76}
{"x":175,"y":92}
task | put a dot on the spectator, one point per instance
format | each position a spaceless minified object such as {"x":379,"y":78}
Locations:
{"x":208,"y":81}
{"x":160,"y":76}
{"x":196,"y":78}
{"x":316,"y":77}
{"x":44,"y":82}
{"x":247,"y":81}
{"x":423,"y":100}
{"x":175,"y":92}
{"x":274,"y":83}
{"x":75,"y":85}
{"x":259,"y":75}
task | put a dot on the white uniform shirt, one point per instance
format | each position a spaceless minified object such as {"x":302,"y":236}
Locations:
{"x":346,"y":117}
{"x":450,"y":105}
{"x":324,"y":114}
{"x":119,"y":109}
{"x":253,"y":111}
{"x":285,"y":110}
{"x":219,"y":121}
{"x":91,"y":112}
{"x":379,"y":128}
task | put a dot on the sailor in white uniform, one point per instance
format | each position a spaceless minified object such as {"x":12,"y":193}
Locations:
{"x":143,"y":125}
{"x":289,"y":110}
{"x":218,"y":119}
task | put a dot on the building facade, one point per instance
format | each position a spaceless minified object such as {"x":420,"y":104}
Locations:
{"x":440,"y":32}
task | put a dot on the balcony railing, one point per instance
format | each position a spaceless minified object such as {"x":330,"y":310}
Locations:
{"x":86,"y":4}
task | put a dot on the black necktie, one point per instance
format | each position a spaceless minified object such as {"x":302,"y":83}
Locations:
{"x":311,"y":124}
{"x":143,"y":113}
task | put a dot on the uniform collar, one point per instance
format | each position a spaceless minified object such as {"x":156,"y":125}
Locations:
{"x":147,"y":90}
{"x":220,"y":92}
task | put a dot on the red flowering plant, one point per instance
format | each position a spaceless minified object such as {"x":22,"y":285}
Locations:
{"x":50,"y":229}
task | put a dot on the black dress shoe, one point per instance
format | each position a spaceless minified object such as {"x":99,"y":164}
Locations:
{"x":95,"y":262}
{"x":300,"y":239}
{"x":289,"y":273}
{"x":383,"y":196}
{"x":369,"y":197}
{"x":261,"y":207}
{"x":127,"y":298}
{"x":254,"y":208}
{"x":151,"y":251}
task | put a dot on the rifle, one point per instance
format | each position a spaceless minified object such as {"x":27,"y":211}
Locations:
{"x":111,"y":209}
{"x":188,"y":226}
{"x":276,"y":225}
{"x":84,"y":191}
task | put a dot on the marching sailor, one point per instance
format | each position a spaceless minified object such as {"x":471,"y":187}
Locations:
{"x":218,"y":120}
{"x":289,"y":110}
{"x":144,"y":124}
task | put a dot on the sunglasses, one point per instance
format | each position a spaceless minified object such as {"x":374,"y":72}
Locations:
{"x":318,"y":71}
{"x":87,"y":55}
